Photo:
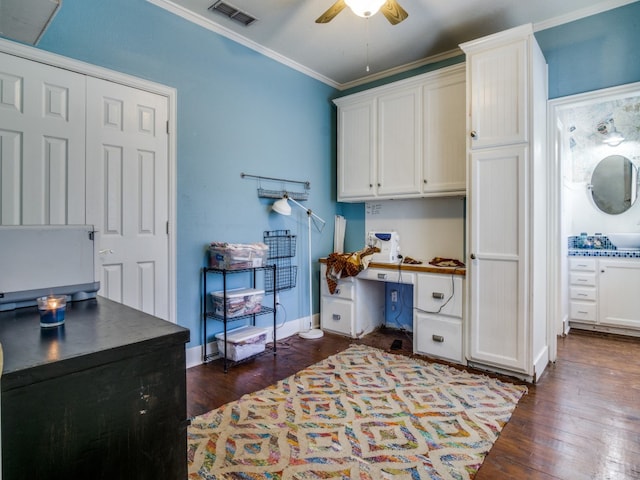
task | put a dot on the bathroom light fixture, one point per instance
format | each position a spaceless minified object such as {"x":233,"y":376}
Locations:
{"x":365,"y":8}
{"x":283,"y":207}
{"x":614,"y":137}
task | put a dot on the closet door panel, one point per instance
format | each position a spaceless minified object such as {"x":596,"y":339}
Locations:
{"x":42,"y":128}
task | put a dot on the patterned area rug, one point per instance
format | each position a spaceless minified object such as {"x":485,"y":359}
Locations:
{"x":360,"y":414}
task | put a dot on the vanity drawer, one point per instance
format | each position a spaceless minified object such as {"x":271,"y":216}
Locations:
{"x":583,"y":293}
{"x":579,"y":278}
{"x":582,"y":264}
{"x":439,"y":336}
{"x":584,"y":312}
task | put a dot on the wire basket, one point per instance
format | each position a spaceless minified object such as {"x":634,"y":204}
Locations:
{"x":282,"y":247}
{"x":285,"y":279}
{"x":281,"y":244}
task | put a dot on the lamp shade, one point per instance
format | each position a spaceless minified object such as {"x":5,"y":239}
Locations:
{"x":282,"y":206}
{"x":365,"y":8}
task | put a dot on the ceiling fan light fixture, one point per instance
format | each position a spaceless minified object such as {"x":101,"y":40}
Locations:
{"x":365,"y":8}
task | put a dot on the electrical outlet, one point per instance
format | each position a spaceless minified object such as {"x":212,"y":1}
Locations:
{"x":394,"y":296}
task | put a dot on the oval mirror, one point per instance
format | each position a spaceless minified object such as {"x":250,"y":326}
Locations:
{"x":614,"y":184}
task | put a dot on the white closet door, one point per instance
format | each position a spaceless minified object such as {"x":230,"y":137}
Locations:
{"x":127,"y":193}
{"x":42,"y":144}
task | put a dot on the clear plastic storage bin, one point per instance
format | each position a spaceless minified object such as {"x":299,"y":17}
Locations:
{"x":242,"y":342}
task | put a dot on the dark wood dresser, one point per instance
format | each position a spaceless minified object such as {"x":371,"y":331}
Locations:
{"x":103,"y":397}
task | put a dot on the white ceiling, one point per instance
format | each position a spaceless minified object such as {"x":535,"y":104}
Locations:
{"x":338,"y":52}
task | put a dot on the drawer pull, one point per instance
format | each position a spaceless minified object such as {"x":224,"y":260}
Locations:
{"x":582,"y":294}
{"x":583,"y":280}
{"x":582,"y":312}
{"x":583,"y":265}
{"x":437,"y":295}
{"x":382,"y":276}
{"x":335,"y":316}
{"x":437,"y":338}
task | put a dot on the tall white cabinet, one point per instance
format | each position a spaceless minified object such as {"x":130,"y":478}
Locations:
{"x":506,"y":203}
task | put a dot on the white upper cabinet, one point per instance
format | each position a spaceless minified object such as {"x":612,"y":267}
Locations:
{"x":399,"y":142}
{"x":403,"y":140}
{"x":506,"y":203}
{"x":498,"y":96}
{"x":444,"y":127}
{"x":356,"y":141}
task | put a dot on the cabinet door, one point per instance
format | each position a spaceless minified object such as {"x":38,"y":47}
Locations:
{"x":399,"y":143}
{"x":498,"y":97}
{"x":618,"y":287}
{"x":356,"y":150}
{"x":497,"y":268}
{"x":444,"y":158}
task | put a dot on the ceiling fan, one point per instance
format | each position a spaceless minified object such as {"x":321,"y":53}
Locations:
{"x":391,"y":9}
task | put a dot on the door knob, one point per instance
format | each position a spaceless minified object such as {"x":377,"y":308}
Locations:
{"x":104,"y":251}
{"x":473,"y":256}
{"x":474,"y":134}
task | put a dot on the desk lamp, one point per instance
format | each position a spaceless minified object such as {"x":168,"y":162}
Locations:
{"x":283,"y":207}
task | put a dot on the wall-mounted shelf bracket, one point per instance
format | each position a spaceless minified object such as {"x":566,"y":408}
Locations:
{"x":279,"y":193}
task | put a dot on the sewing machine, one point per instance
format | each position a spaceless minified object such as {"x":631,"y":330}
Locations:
{"x":389,"y":245}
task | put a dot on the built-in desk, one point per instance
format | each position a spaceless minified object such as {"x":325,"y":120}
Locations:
{"x":358,"y":305}
{"x":102,"y":397}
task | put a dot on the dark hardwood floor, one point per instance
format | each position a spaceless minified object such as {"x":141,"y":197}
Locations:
{"x":580,"y":421}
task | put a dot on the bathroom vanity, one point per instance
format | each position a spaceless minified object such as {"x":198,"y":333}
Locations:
{"x":604,"y":286}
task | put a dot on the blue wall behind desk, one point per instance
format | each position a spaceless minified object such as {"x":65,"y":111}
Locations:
{"x":398,"y":314}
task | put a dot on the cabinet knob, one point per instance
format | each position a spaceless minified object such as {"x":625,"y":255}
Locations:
{"x":371,"y":185}
{"x":473,"y":256}
{"x":335,"y":316}
{"x":379,"y":185}
{"x":424,"y":181}
{"x":474,"y":134}
{"x":437,"y":338}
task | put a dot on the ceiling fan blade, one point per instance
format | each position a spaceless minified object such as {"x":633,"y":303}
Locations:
{"x":393,"y":12}
{"x":333,"y":10}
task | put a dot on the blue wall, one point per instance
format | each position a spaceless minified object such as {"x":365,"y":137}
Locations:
{"x":592,"y":53}
{"x":238,"y":111}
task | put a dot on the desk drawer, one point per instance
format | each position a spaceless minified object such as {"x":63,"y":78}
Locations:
{"x":436,"y":293}
{"x":344,"y":290}
{"x":384,"y":275}
{"x":439,"y":336}
{"x":337,"y":315}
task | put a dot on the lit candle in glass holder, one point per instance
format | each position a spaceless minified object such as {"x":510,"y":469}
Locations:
{"x":52,"y":310}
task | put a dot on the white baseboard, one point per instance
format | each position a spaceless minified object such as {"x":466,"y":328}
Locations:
{"x":194,"y":354}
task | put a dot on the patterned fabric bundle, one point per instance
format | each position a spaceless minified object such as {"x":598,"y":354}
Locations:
{"x":341,"y":265}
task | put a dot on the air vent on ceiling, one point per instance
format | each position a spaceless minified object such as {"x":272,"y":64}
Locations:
{"x":233,"y":13}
